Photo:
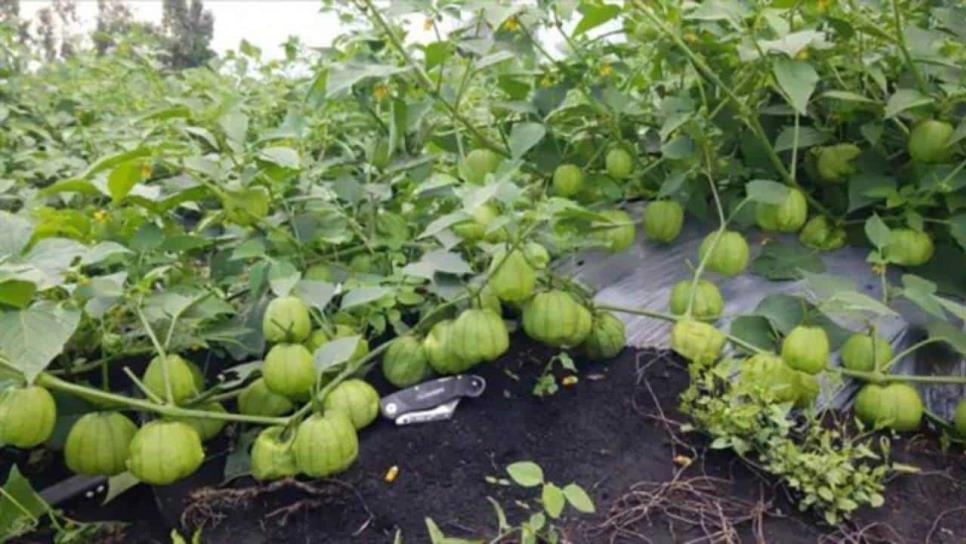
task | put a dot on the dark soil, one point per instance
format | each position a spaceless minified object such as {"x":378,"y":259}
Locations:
{"x":605,"y":433}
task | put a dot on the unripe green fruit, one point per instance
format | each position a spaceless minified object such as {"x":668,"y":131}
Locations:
{"x":568,"y":180}
{"x":730,"y":255}
{"x":606,"y":339}
{"x":515,"y":279}
{"x":356,"y":399}
{"x":708,"y":302}
{"x":27,"y":416}
{"x":405,"y":363}
{"x":959,"y":419}
{"x":289,"y":371}
{"x":619,"y":163}
{"x":616,"y":231}
{"x":319,"y":272}
{"x":163,"y":452}
{"x":439,"y":350}
{"x":697,"y":341}
{"x":325,"y":445}
{"x":537,"y":255}
{"x":894,"y":406}
{"x":789,"y":216}
{"x":206,"y":428}
{"x":478,"y":335}
{"x":286,"y":320}
{"x":834,"y":163}
{"x":556,"y":319}
{"x":362,"y":347}
{"x":273,"y":457}
{"x":184,"y":382}
{"x":487,"y":299}
{"x":478,"y":163}
{"x":663,"y":220}
{"x":819,"y":233}
{"x":909,"y":247}
{"x":858,"y":354}
{"x":808,"y":389}
{"x":98,"y":444}
{"x":475,"y":228}
{"x":771,"y":376}
{"x":316,"y":340}
{"x":258,"y":400}
{"x":929,"y":141}
{"x":806,"y":348}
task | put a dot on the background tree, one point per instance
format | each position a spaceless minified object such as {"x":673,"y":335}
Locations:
{"x":10,"y":14}
{"x":114,"y":18}
{"x":56,"y":30}
{"x":188,"y":31}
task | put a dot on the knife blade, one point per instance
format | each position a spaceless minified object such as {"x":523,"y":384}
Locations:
{"x":431,"y":394}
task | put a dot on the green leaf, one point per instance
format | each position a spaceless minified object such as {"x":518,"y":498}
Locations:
{"x":20,"y":506}
{"x":780,"y":261}
{"x":282,"y":277}
{"x":438,"y":260}
{"x":553,"y":500}
{"x":866,"y":189}
{"x":949,"y":334}
{"x":17,"y":293}
{"x":526,"y":473}
{"x":16,"y":233}
{"x":342,"y":78}
{"x":285,"y":157}
{"x":106,"y":163}
{"x":754,"y":329}
{"x":767,"y":192}
{"x":579,"y":499}
{"x":594,"y":15}
{"x":335,"y":352}
{"x":851,"y":302}
{"x":923,"y":293}
{"x":904,"y":99}
{"x":797,"y":79}
{"x":117,"y":485}
{"x":524,"y":136}
{"x":957,"y":229}
{"x":123,"y":178}
{"x":877,"y":231}
{"x":807,"y":137}
{"x":847,"y":96}
{"x":32,"y":337}
{"x":316,"y":293}
{"x":783,"y":311}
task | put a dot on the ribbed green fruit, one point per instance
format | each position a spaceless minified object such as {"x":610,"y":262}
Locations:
{"x":163,"y":452}
{"x":696,"y":341}
{"x":515,"y":279}
{"x":184,"y":382}
{"x":568,"y":180}
{"x":616,"y":232}
{"x":27,"y":416}
{"x":619,"y":163}
{"x":806,"y":348}
{"x":821,"y":234}
{"x":98,"y":444}
{"x":663,"y":220}
{"x":325,"y":445}
{"x":556,"y":319}
{"x":789,"y":216}
{"x":289,"y":371}
{"x":606,"y":339}
{"x":894,"y":406}
{"x":708,"y":302}
{"x":730,"y":255}
{"x":258,"y":400}
{"x":858,"y":354}
{"x":273,"y":455}
{"x":478,"y":335}
{"x":405,"y":362}
{"x":771,"y":377}
{"x":834,"y":162}
{"x":929,"y":141}
{"x":286,"y":319}
{"x":206,"y":428}
{"x":439,"y":351}
{"x":478,"y":163}
{"x":356,"y":399}
{"x":909,"y":247}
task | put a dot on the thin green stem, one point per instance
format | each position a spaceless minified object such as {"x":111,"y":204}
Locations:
{"x":169,"y":394}
{"x":901,"y":42}
{"x":902,"y":354}
{"x":878,"y":377}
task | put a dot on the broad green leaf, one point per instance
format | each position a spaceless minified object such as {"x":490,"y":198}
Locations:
{"x":957,"y":228}
{"x":755,"y":330}
{"x":493,"y":58}
{"x":342,"y":78}
{"x":851,"y":302}
{"x":526,"y":473}
{"x":783,"y":311}
{"x":949,"y":334}
{"x":438,"y":260}
{"x":111,"y":161}
{"x":17,"y":293}
{"x":235,"y":125}
{"x":123,"y":178}
{"x":877,"y":231}
{"x":923,"y":293}
{"x":781,"y":261}
{"x":807,"y":137}
{"x":282,"y":277}
{"x":285,"y":157}
{"x":20,"y":506}
{"x":524,"y":136}
{"x":847,"y":96}
{"x":363,"y":295}
{"x":335,"y":352}
{"x":797,"y":79}
{"x":863,"y":187}
{"x":16,"y":233}
{"x":102,"y":252}
{"x":553,"y":500}
{"x":316,"y":293}
{"x":905,"y":99}
{"x":117,"y":485}
{"x":793,"y":43}
{"x":579,"y":499}
{"x":767,"y":192}
{"x":30,"y":338}
{"x":594,"y":15}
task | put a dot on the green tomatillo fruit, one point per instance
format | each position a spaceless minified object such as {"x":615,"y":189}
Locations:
{"x":207,"y":428}
{"x":929,"y":141}
{"x":806,"y":348}
{"x":537,"y":255}
{"x":286,"y":319}
{"x":289,"y":371}
{"x":696,"y":341}
{"x":556,"y":319}
{"x":909,"y":247}
{"x":619,"y":163}
{"x":478,"y":163}
{"x":27,"y":416}
{"x":616,"y":232}
{"x":663,"y":220}
{"x":606,"y":339}
{"x":862,"y":352}
{"x":769,"y":376}
{"x":163,"y":452}
{"x":730,"y":254}
{"x":708,"y":302}
{"x":834,"y":163}
{"x":405,"y":363}
{"x":184,"y":382}
{"x":476,"y":228}
{"x":821,"y":234}
{"x":789,"y":216}
{"x":439,"y":351}
{"x":568,"y":180}
{"x":511,"y":276}
{"x":355,"y":399}
{"x":273,"y":455}
{"x":258,"y":400}
{"x":98,"y":443}
{"x":894,"y":406}
{"x":478,"y":335}
{"x":325,"y":445}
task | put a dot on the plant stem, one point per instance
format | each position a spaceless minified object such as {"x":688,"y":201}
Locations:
{"x":878,"y":377}
{"x":901,"y":42}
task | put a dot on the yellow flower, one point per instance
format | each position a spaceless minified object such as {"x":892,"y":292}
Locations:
{"x":546,"y":81}
{"x":428,"y":24}
{"x":380,"y":91}
{"x":100,"y":216}
{"x":511,"y":24}
{"x":606,"y":70}
{"x":145,"y":171}
{"x":802,"y":55}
